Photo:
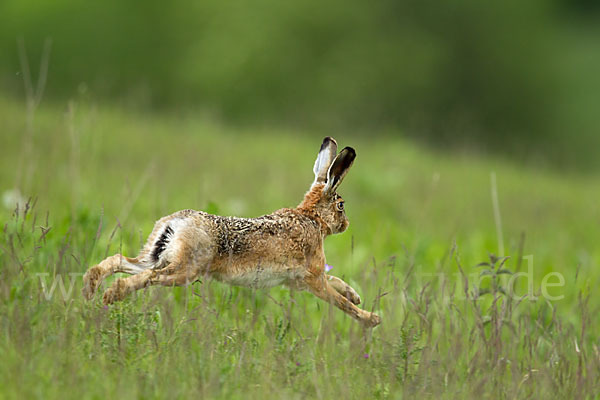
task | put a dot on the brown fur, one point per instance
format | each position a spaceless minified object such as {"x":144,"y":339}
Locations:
{"x":285,"y":247}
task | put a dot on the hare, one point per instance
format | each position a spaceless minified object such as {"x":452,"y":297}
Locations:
{"x":285,"y":247}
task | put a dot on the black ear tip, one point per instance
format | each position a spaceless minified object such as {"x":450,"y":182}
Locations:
{"x":351,"y":152}
{"x":326,"y":142}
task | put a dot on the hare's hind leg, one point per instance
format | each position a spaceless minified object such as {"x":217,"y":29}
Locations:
{"x":320,"y":287}
{"x":343,"y":288}
{"x":117,"y":263}
{"x":172,"y":275}
{"x":123,"y":286}
{"x":179,"y":249}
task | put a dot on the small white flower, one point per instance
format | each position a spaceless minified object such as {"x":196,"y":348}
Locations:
{"x":12,"y":197}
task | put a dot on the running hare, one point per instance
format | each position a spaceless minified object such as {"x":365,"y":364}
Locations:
{"x":285,"y":247}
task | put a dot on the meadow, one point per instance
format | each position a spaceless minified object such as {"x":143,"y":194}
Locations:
{"x":90,"y":181}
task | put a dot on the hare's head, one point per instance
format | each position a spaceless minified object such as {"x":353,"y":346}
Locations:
{"x":322,"y":200}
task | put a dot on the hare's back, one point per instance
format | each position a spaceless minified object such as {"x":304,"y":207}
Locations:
{"x":274,"y":242}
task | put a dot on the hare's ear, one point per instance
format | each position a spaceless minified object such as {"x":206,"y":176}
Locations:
{"x":339,"y":168}
{"x":324,"y":159}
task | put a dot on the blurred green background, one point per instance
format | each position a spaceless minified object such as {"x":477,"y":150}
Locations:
{"x":519,"y":78}
{"x":476,"y":128}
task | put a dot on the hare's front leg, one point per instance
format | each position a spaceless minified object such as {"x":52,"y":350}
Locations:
{"x":320,"y":287}
{"x":343,"y":288}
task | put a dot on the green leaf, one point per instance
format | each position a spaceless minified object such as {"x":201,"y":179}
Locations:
{"x":504,"y":271}
{"x":486,"y":272}
{"x":502,"y":261}
{"x":483,"y":264}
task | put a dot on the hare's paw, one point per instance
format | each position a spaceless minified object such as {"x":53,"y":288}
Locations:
{"x":91,"y":281}
{"x":352,"y":296}
{"x":117,"y":292}
{"x":109,"y":296}
{"x":372,"y":320}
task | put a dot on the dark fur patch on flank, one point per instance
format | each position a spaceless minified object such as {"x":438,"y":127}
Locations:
{"x":161,"y":243}
{"x":232,"y":234}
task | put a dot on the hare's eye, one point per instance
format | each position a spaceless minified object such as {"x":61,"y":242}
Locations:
{"x":340,"y":206}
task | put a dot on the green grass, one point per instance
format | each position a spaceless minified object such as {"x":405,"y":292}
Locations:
{"x":99,"y":179}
